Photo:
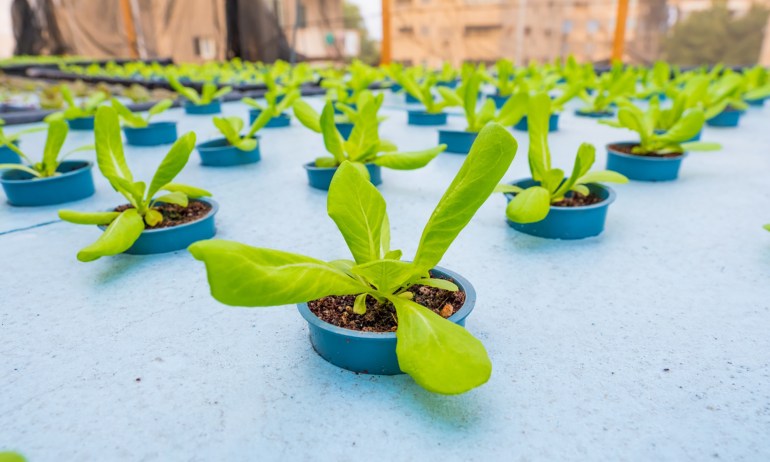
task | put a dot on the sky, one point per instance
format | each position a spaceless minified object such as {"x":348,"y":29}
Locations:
{"x":371,"y":10}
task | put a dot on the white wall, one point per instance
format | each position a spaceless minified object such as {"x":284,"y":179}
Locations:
{"x":6,"y":30}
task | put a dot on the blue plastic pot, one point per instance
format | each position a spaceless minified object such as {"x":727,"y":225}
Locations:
{"x":7,"y":156}
{"x":180,"y":237}
{"x":155,"y":134}
{"x":423,"y":118}
{"x":694,"y":138}
{"x":344,"y":128}
{"x":338,"y":112}
{"x":756,"y":102}
{"x":214,"y":107}
{"x":458,"y":142}
{"x":726,"y":118}
{"x":643,"y":168}
{"x":594,"y":115}
{"x":75,"y":182}
{"x":321,"y":177}
{"x":568,"y":222}
{"x":411,"y":99}
{"x":499,"y":100}
{"x":372,"y":352}
{"x":81,"y":123}
{"x":281,"y":120}
{"x":448,"y":84}
{"x":395,"y":88}
{"x":219,"y":153}
{"x":553,"y":123}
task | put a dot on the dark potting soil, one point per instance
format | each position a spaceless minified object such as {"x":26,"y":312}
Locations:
{"x":578,"y":200}
{"x":338,"y":310}
{"x":628,"y":149}
{"x":175,"y":215}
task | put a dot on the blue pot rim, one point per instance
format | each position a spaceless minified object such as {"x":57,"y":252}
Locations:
{"x":420,"y":112}
{"x":87,"y":165}
{"x":187,"y":102}
{"x":603,"y":203}
{"x":312,"y":167}
{"x":462,"y":313}
{"x":458,"y":132}
{"x":207,"y":145}
{"x":645,"y":158}
{"x":160,"y":123}
{"x":214,"y":209}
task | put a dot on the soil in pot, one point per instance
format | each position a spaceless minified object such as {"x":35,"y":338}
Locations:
{"x":338,"y":310}
{"x":628,"y":149}
{"x":175,"y":215}
{"x":575,"y":199}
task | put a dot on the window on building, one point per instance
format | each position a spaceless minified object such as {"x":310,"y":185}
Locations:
{"x":566,"y":26}
{"x":406,"y":30}
{"x":301,"y":15}
{"x":481,"y":29}
{"x":403,"y":2}
{"x":592,"y":26}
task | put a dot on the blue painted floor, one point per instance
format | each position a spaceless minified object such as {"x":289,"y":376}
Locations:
{"x":650,"y":342}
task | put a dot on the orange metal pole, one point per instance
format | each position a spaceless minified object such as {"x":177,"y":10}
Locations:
{"x":385,"y":52}
{"x":620,"y":31}
{"x":128,"y":23}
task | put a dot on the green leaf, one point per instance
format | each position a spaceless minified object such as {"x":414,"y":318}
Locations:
{"x":88,"y":218}
{"x":529,"y":206}
{"x":701,"y":146}
{"x":190,"y":191}
{"x":386,"y":275}
{"x":241,"y":275}
{"x":538,"y":113}
{"x":586,"y":156}
{"x":176,"y":198}
{"x":332,"y":139}
{"x":359,"y":306}
{"x":507,"y":188}
{"x":686,"y":128}
{"x":21,"y":167}
{"x":259,"y":123}
{"x":230,"y":127}
{"x":57,"y":133}
{"x":767,"y":227}
{"x":439,"y":355}
{"x":153,"y":217}
{"x":438,"y":283}
{"x":324,"y":162}
{"x":172,"y":164}
{"x":408,"y":160}
{"x":602,"y":176}
{"x":109,"y":145}
{"x":488,"y":160}
{"x":160,"y":107}
{"x":119,"y":236}
{"x":131,"y":119}
{"x":358,"y":209}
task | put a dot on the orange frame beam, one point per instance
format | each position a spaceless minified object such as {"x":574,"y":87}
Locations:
{"x":128,"y":23}
{"x":385,"y":52}
{"x":620,"y":31}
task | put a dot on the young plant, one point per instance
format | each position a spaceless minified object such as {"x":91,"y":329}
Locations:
{"x":277,"y":99}
{"x":612,"y":88}
{"x":364,"y":145}
{"x":447,"y":74}
{"x":756,"y":84}
{"x":231,"y":128}
{"x":657,"y":142}
{"x":134,"y":120}
{"x":466,"y":96}
{"x":48,"y":166}
{"x":423,"y":92}
{"x":124,"y":228}
{"x":440,"y":355}
{"x":77,"y":111}
{"x":723,"y":93}
{"x":656,"y":81}
{"x":689,"y":96}
{"x":506,"y":77}
{"x":12,"y":139}
{"x":208,"y":94}
{"x":532,"y":204}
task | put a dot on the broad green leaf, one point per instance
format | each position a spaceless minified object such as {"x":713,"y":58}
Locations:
{"x":21,"y":167}
{"x":386,"y":146}
{"x":438,"y":283}
{"x":190,"y":191}
{"x":230,"y":127}
{"x":408,"y":160}
{"x":131,"y":119}
{"x":385,"y":235}
{"x":439,"y":355}
{"x":358,"y":209}
{"x":153,"y":217}
{"x":701,"y":146}
{"x":109,"y":145}
{"x":552,"y":179}
{"x":602,"y":176}
{"x":172,"y":164}
{"x":176,"y":198}
{"x":57,"y":133}
{"x":246,"y":145}
{"x":386,"y":275}
{"x":488,"y":160}
{"x":241,"y":275}
{"x":88,"y":218}
{"x":686,"y":128}
{"x":586,"y":156}
{"x":326,"y":162}
{"x":393,"y":255}
{"x":507,"y":188}
{"x":160,"y":107}
{"x":359,"y":306}
{"x":119,"y":236}
{"x":529,"y":206}
{"x":307,"y":116}
{"x":450,"y":96}
{"x":538,"y":113}
{"x":332,"y":139}
{"x":259,"y":123}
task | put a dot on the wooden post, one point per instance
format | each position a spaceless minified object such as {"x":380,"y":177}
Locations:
{"x":620,"y":31}
{"x":385,"y":52}
{"x":128,"y":25}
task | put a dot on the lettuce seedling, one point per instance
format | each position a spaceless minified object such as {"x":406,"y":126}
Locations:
{"x":506,"y":77}
{"x":447,"y":74}
{"x":48,"y":166}
{"x":137,"y":93}
{"x":756,"y":84}
{"x":76,"y":111}
{"x":364,"y":144}
{"x":277,"y":99}
{"x":125,"y":227}
{"x":209,"y":92}
{"x":723,"y":93}
{"x":466,"y":96}
{"x":671,"y":141}
{"x":231,"y":128}
{"x":423,"y":92}
{"x":440,"y":355}
{"x":134,"y":120}
{"x":612,"y":88}
{"x":656,"y":81}
{"x":346,"y":91}
{"x":532,"y":204}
